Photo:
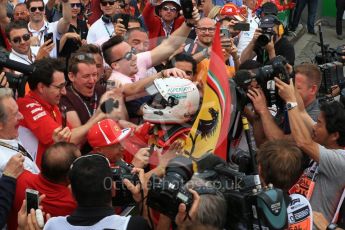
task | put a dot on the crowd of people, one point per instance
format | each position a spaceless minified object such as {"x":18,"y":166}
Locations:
{"x":117,"y":83}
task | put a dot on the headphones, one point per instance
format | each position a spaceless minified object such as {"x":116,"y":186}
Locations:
{"x":108,"y":19}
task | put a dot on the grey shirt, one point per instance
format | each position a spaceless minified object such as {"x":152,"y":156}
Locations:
{"x":330,"y":181}
{"x":313,"y":109}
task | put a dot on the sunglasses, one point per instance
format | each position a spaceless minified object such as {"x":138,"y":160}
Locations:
{"x":25,"y":37}
{"x":167,"y":8}
{"x":75,"y":5}
{"x":105,"y":3}
{"x":34,"y":9}
{"x":127,"y":56}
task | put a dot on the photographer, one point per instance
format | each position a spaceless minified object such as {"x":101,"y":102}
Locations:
{"x":93,"y":188}
{"x":307,"y":80}
{"x":323,"y":142}
{"x":209,"y":201}
{"x":269,"y":41}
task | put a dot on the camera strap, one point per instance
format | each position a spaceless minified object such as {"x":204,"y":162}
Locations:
{"x":306,"y":183}
{"x":20,"y":149}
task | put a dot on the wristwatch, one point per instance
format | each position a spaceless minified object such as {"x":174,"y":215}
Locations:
{"x":291,"y":105}
{"x":332,"y":226}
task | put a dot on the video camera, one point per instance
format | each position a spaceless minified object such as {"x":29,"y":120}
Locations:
{"x":167,"y":193}
{"x":263,"y":76}
{"x":267,"y":29}
{"x":249,"y":205}
{"x":16,"y":82}
{"x":121,"y":171}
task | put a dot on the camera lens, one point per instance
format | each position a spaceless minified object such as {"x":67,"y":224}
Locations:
{"x":182,"y":166}
{"x":263,"y":39}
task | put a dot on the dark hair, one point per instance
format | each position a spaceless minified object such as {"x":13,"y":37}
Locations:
{"x":280,"y":162}
{"x":134,"y":19}
{"x":107,"y":47}
{"x":334,"y":114}
{"x":311,"y":71}
{"x":76,"y":58}
{"x":250,"y":65}
{"x":20,"y":4}
{"x":44,"y":70}
{"x":28,"y":2}
{"x":90,"y":48}
{"x":187,"y":58}
{"x":15,"y":25}
{"x":91,"y":181}
{"x":57,"y":160}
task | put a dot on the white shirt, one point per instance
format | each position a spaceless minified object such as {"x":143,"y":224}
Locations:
{"x":247,"y":36}
{"x":22,"y":58}
{"x":46,"y":28}
{"x":99,"y":30}
{"x":6,"y":154}
{"x":109,"y":222}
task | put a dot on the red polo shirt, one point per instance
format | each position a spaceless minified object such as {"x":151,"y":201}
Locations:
{"x":59,"y":200}
{"x":37,"y":127}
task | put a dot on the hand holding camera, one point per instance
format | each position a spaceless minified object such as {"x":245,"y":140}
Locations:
{"x":120,"y":28}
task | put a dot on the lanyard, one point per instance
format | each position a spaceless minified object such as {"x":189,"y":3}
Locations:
{"x":87,"y":107}
{"x":107,"y":30}
{"x":19,"y":149}
{"x":29,"y":62}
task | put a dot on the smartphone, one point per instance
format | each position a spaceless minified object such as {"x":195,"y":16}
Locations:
{"x":48,"y":36}
{"x":63,"y":111}
{"x":225,"y":32}
{"x":31,"y":197}
{"x":187,"y":8}
{"x":124,"y":17}
{"x":242,"y":26}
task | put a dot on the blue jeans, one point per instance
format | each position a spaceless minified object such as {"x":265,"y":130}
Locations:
{"x":312,"y":10}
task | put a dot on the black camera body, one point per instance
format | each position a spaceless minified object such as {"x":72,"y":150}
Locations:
{"x":267,"y":29}
{"x":249,"y":206}
{"x":167,"y":193}
{"x":122,"y":171}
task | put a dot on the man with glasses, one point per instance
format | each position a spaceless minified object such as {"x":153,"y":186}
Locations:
{"x":38,"y":27}
{"x":42,"y":123}
{"x":104,"y":26}
{"x":166,"y":20}
{"x":19,"y":37}
{"x":129,"y":67}
{"x":205,"y":31}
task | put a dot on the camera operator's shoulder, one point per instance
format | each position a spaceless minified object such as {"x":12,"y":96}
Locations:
{"x":332,"y":161}
{"x":138,"y":223}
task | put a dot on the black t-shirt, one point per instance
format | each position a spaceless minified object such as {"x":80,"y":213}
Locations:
{"x":283,"y":47}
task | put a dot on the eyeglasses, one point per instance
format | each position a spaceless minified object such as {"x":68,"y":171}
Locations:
{"x":93,"y":155}
{"x":61,"y":86}
{"x":76,"y":5}
{"x":127,"y":56}
{"x":204,"y":29}
{"x":25,"y":37}
{"x":167,"y":8}
{"x":34,"y":9}
{"x":105,"y":3}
